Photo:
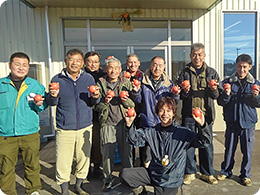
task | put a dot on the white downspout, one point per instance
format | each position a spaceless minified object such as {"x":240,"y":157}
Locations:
{"x":49,"y":67}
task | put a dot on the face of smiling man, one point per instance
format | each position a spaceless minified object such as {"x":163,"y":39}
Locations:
{"x":157,"y":67}
{"x":74,"y":63}
{"x":19,"y":68}
{"x":166,"y":115}
{"x":113,"y":71}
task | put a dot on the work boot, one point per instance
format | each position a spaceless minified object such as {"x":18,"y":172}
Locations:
{"x":188,"y":178}
{"x":209,"y":178}
{"x":139,"y":190}
{"x":246,"y":181}
{"x":65,"y":188}
{"x":221,"y":177}
{"x":78,"y":188}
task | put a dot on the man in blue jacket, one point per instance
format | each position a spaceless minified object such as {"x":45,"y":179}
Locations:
{"x":74,"y":121}
{"x":155,"y":84}
{"x":19,"y":125}
{"x":239,"y":100}
{"x":168,"y":142}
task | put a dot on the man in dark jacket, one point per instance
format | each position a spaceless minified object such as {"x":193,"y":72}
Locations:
{"x":92,"y":62}
{"x":155,"y":84}
{"x":112,"y":109}
{"x":239,"y":100}
{"x":199,"y":94}
{"x":168,"y":142}
{"x":74,"y":121}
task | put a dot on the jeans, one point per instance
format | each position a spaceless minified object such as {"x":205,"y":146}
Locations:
{"x":205,"y":154}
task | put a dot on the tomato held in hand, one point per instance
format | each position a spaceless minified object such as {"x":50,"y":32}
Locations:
{"x":196,"y":112}
{"x":136,"y":82}
{"x":227,"y":86}
{"x":185,"y":83}
{"x":37,"y":98}
{"x":55,"y":86}
{"x":111,"y":93}
{"x":175,"y":89}
{"x":127,"y":75}
{"x":92,"y":88}
{"x":255,"y":87}
{"x":212,"y":82}
{"x":131,"y":112}
{"x":123,"y":94}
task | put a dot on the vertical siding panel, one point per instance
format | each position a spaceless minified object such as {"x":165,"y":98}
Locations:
{"x":32,"y":38}
{"x":235,"y":4}
{"x":177,"y":13}
{"x":212,"y":34}
{"x":4,"y":31}
{"x":246,"y":4}
{"x":10,"y":25}
{"x":24,"y":33}
{"x":206,"y":41}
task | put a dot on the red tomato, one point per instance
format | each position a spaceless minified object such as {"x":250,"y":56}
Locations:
{"x":175,"y":89}
{"x":131,"y":112}
{"x":227,"y":86}
{"x":127,"y":75}
{"x":185,"y":83}
{"x":55,"y":86}
{"x":136,"y":82}
{"x":123,"y":94}
{"x":111,"y":93}
{"x":212,"y":82}
{"x":37,"y":98}
{"x":196,"y":112}
{"x":255,"y":87}
{"x":92,"y":88}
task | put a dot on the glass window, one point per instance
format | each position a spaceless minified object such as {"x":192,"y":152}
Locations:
{"x":239,"y":38}
{"x":145,"y":57}
{"x":144,"y":31}
{"x":118,"y":53}
{"x":180,"y":57}
{"x":75,"y":30}
{"x":181,"y":30}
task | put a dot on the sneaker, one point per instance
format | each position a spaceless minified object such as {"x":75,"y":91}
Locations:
{"x":108,"y":184}
{"x":209,"y":178}
{"x":146,"y":164}
{"x":221,"y":177}
{"x":247,"y":181}
{"x":188,"y":178}
{"x":35,"y":193}
{"x":138,"y":190}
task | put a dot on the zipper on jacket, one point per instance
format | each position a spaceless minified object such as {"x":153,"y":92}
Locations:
{"x":77,"y":105}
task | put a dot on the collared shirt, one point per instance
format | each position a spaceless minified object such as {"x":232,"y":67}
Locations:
{"x":68,"y":74}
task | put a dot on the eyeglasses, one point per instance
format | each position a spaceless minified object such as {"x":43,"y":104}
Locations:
{"x":158,"y":65}
{"x":77,"y":60}
{"x":93,"y":62}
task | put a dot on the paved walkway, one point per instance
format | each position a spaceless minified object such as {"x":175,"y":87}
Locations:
{"x":230,"y":186}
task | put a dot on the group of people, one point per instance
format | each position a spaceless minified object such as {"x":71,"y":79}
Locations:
{"x":90,"y":124}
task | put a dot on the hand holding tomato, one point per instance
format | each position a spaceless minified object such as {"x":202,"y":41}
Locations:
{"x":255,"y":90}
{"x":110,"y":95}
{"x":54,"y":89}
{"x":124,"y":95}
{"x":227,"y":88}
{"x":198,"y":116}
{"x":213,"y":84}
{"x":176,"y":89}
{"x":185,"y":86}
{"x":136,"y":85}
{"x":130,"y":116}
{"x":38,"y":99}
{"x":127,"y":75}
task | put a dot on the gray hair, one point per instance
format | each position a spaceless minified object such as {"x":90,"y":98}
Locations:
{"x":112,"y":59}
{"x":196,"y":46}
{"x":132,"y":55}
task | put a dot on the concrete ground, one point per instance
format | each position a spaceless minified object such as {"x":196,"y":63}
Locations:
{"x":231,"y":186}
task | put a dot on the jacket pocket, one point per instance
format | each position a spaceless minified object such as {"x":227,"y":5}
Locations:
{"x":4,"y":100}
